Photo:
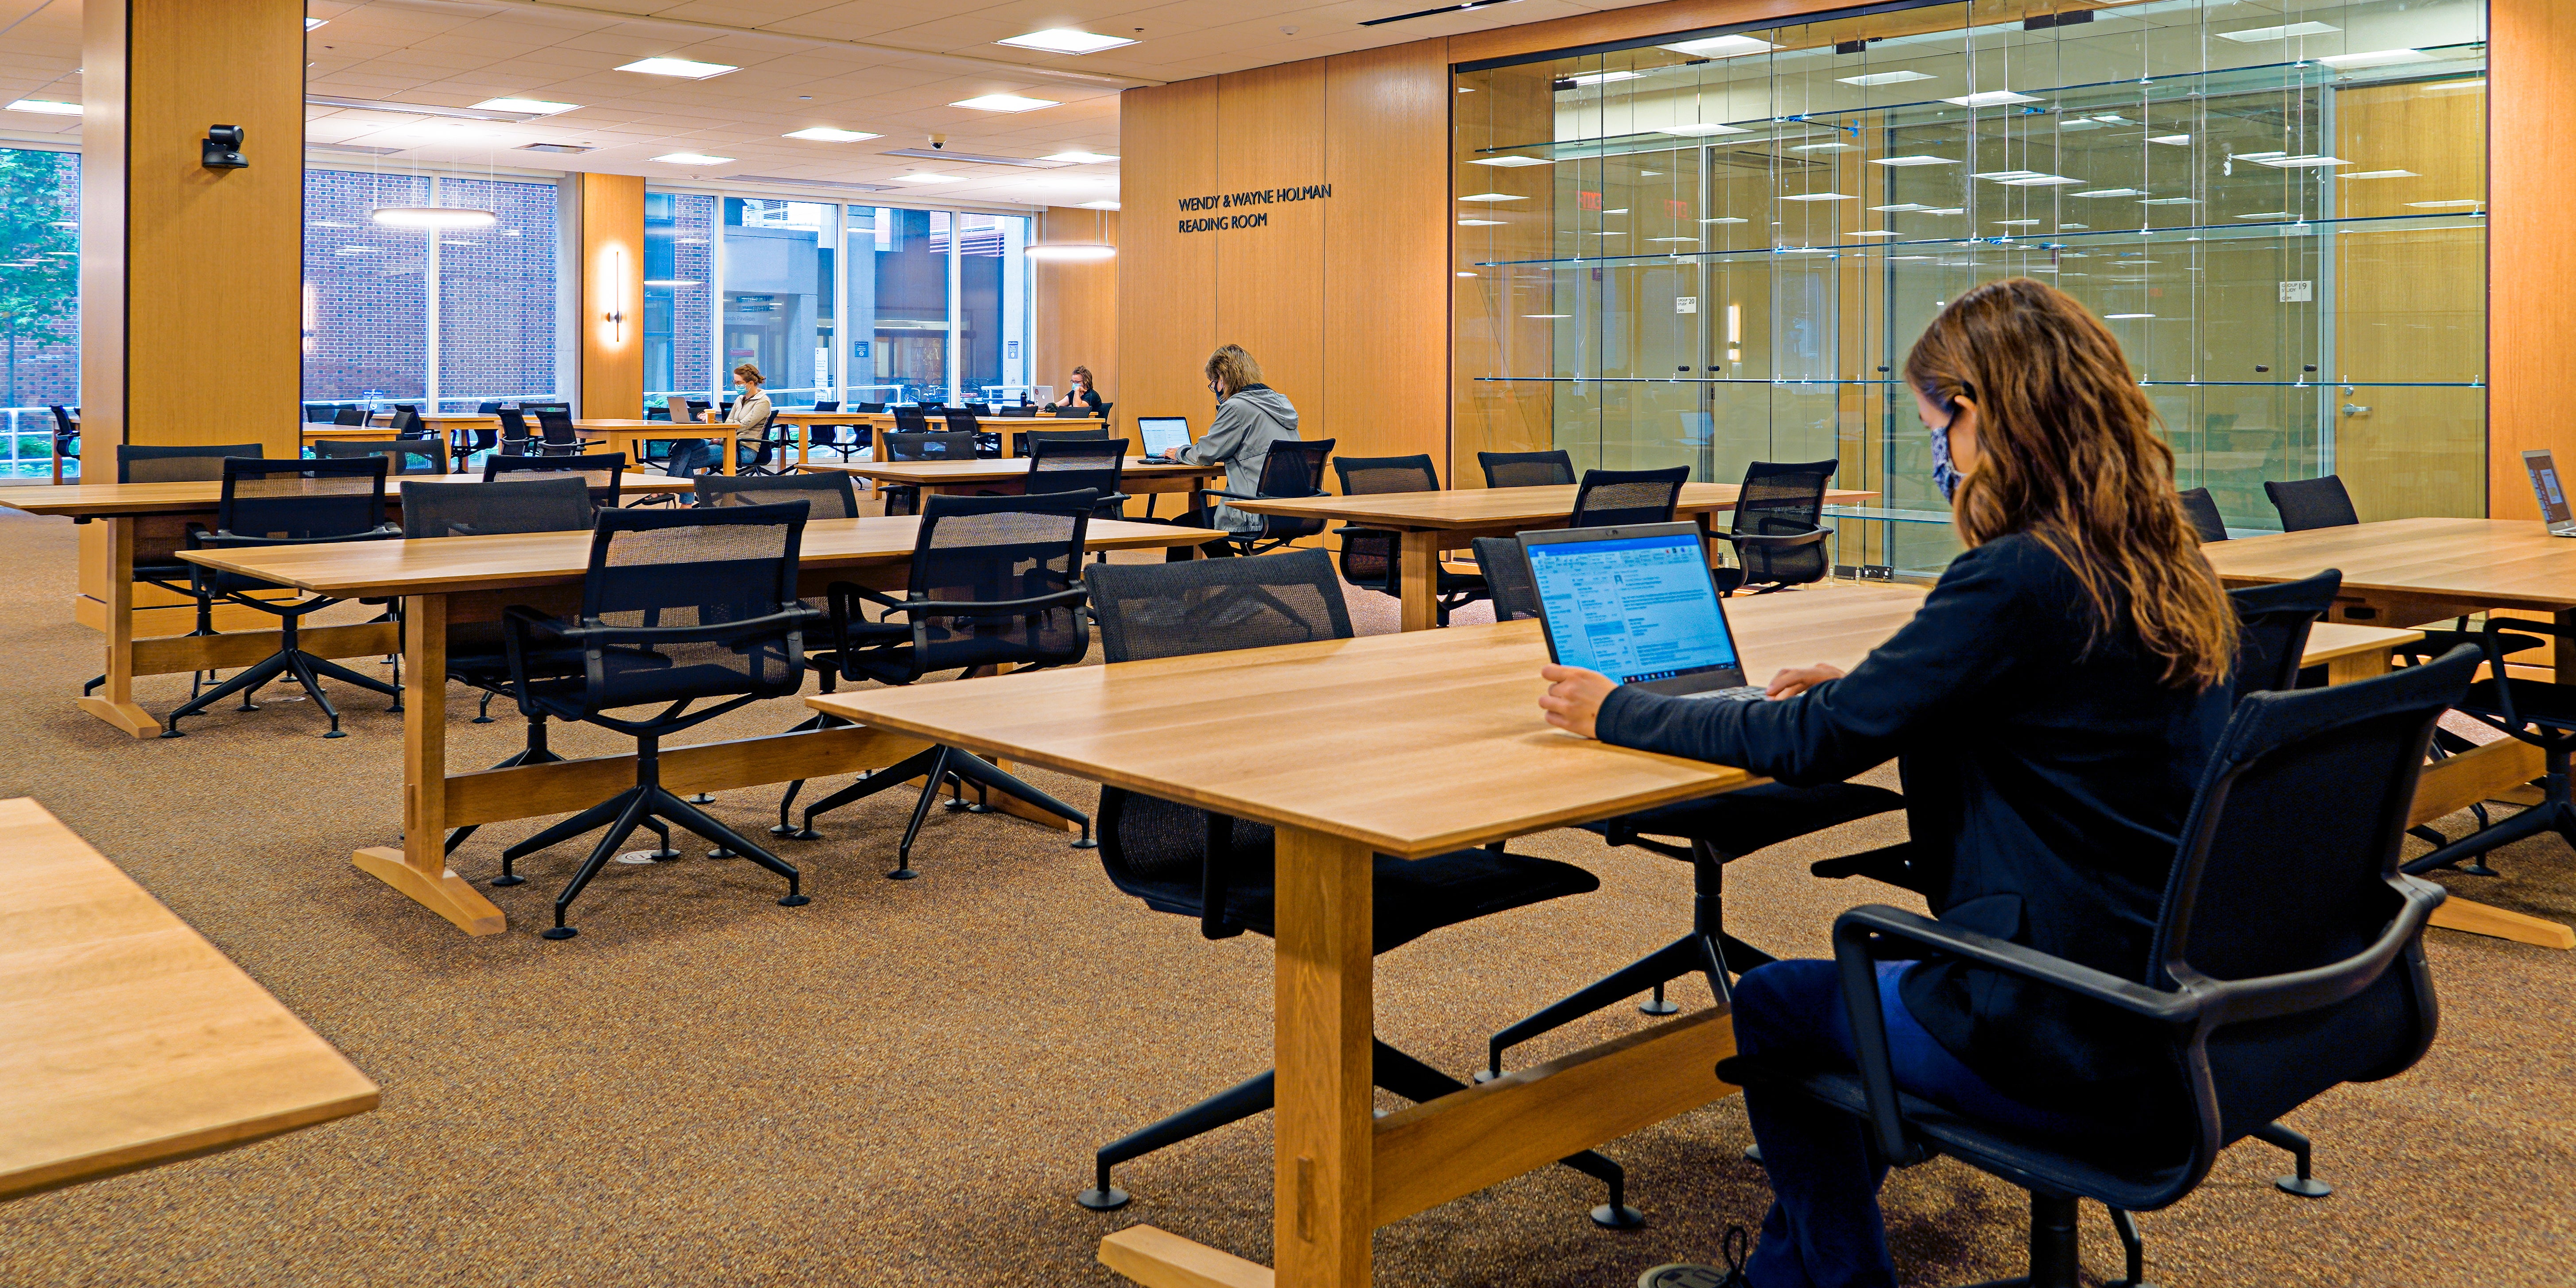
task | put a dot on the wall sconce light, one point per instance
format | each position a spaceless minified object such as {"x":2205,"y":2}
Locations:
{"x":615,"y":317}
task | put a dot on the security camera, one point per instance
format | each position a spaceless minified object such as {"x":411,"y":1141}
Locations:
{"x":939,"y":140}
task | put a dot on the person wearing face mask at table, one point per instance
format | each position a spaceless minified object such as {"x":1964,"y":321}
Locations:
{"x":751,"y":412}
{"x":2050,"y":707}
{"x":1250,"y":416}
{"x":1081,"y":394}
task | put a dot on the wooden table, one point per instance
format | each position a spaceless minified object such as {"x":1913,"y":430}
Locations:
{"x":454,"y":580}
{"x":127,"y":1040}
{"x":1010,"y":474}
{"x":146,"y":626}
{"x":880,"y":423}
{"x":629,"y":436}
{"x":1430,"y":522}
{"x":1354,"y":726}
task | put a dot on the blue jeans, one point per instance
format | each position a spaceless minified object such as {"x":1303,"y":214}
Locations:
{"x":1824,"y":1229}
{"x":690,"y":456}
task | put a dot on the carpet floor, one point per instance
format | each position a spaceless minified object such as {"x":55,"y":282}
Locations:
{"x":902,"y":1083}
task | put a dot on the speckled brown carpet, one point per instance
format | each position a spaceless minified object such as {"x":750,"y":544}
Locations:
{"x":902,"y":1083}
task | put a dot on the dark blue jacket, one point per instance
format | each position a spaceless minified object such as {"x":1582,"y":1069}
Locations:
{"x":2047,"y":771}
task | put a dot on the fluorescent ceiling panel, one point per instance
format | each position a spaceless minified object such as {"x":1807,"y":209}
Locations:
{"x":1509,"y":161}
{"x":2303,"y":163}
{"x":1603,"y":78}
{"x":45,"y":107}
{"x":1099,"y":205}
{"x":1721,"y":47}
{"x":2380,"y":174}
{"x":1992,"y":98}
{"x":690,"y":158}
{"x":2041,"y":181}
{"x":1065,"y":40}
{"x":1822,"y":147}
{"x":684,"y":67}
{"x":1004,"y":103}
{"x":1480,"y":223}
{"x":826,"y":134}
{"x":918,"y":177}
{"x":2375,"y":58}
{"x":2170,"y":140}
{"x":531,"y":106}
{"x":1495,"y":196}
{"x":1912,"y":161}
{"x":1882,"y":78}
{"x":2105,"y":192}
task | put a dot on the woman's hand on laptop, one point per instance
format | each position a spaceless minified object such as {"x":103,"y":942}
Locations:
{"x":1799,"y":679}
{"x":1574,"y":697}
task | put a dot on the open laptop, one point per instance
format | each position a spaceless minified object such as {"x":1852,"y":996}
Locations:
{"x":2553,"y":497}
{"x":1162,"y":433}
{"x":1637,"y":604}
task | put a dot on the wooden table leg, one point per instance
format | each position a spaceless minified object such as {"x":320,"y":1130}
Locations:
{"x":2358,"y":666}
{"x":419,"y":868}
{"x":114,"y":702}
{"x":1418,"y":574}
{"x":2563,"y":648}
{"x":1325,"y":1132}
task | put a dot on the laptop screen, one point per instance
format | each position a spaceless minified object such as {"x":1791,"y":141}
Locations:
{"x":1161,"y":433}
{"x":1633,"y":608}
{"x":2545,"y":486}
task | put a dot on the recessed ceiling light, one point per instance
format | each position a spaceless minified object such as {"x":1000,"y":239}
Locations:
{"x":1953,"y":210}
{"x":1912,"y":160}
{"x":689,"y":68}
{"x":45,"y":106}
{"x":919,"y":177}
{"x":2380,"y":174}
{"x":2073,"y":227}
{"x":2376,"y":58}
{"x":1079,"y":157}
{"x":827,"y":134}
{"x":1065,"y":40}
{"x":1820,"y":196}
{"x":1721,"y":47}
{"x":1700,"y":130}
{"x":2105,"y":192}
{"x":1992,"y":98}
{"x":2470,"y":86}
{"x":1509,"y":161}
{"x":2252,"y":34}
{"x":1480,"y":223}
{"x":311,"y":23}
{"x":531,"y":106}
{"x":1883,"y":78}
{"x":690,"y":158}
{"x":1004,"y":103}
{"x":1620,"y":211}
{"x":2170,"y":140}
{"x":1601,"y":78}
{"x":1099,"y":205}
{"x":1495,"y":196}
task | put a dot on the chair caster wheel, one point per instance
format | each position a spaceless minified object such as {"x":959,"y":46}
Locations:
{"x":1622,"y":1217}
{"x":505,"y":882}
{"x":1659,"y":1006}
{"x":1482,"y":1076}
{"x":902,"y":874}
{"x":172,"y":733}
{"x":1108,"y":1200}
{"x":721,"y":852}
{"x":1087,"y":843}
{"x":481,"y":720}
{"x":2306,"y":1187}
{"x":2476,"y":869}
{"x":796,"y":833}
{"x":558,"y":932}
{"x":957,"y":806}
{"x":796,"y":901}
{"x":663,"y":855}
{"x":335,"y":734}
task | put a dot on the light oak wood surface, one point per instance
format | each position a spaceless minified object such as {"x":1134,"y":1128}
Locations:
{"x":1477,"y":509}
{"x":126,"y":1039}
{"x":2484,"y":563}
{"x":105,"y":500}
{"x":607,"y":218}
{"x":1137,"y":474}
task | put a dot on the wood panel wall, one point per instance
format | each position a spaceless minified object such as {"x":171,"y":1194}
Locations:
{"x":2531,"y":243}
{"x":1077,"y":305}
{"x":191,"y":279}
{"x":609,"y":211}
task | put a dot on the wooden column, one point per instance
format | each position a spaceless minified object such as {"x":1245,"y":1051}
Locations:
{"x":1077,"y":308}
{"x":191,"y":278}
{"x":2530,"y":360}
{"x":610,"y":215}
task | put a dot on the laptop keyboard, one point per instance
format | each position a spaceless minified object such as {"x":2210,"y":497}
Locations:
{"x":1741,"y":693}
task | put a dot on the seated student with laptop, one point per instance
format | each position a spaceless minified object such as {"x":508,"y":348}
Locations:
{"x":2050,"y":707}
{"x":1250,"y":416}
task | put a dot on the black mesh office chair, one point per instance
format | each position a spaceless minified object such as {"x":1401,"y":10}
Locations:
{"x":679,"y":608}
{"x":1614,"y":498}
{"x":995,"y":581}
{"x":405,"y":455}
{"x":964,"y":422}
{"x":2312,"y":503}
{"x":903,"y":446}
{"x":349,"y":416}
{"x":911,"y":420}
{"x":1526,"y":469}
{"x":1777,"y":529}
{"x":2287,"y":959}
{"x":556,"y":435}
{"x":1372,"y":558}
{"x":288,"y":503}
{"x":1082,"y":465}
{"x":155,"y":563}
{"x":827,"y":496}
{"x":516,"y":438}
{"x":2202,"y":509}
{"x":841,"y":439}
{"x":1025,"y":441}
{"x":2541,"y":713}
{"x":1507,"y":577}
{"x":66,"y":433}
{"x":602,"y":472}
{"x":979,"y":409}
{"x":2273,"y":623}
{"x":1188,"y":862}
{"x":1290,"y":468}
{"x":1103,"y":411}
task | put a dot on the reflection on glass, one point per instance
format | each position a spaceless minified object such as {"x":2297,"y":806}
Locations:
{"x":1717,"y":249}
{"x":993,"y":306}
{"x":366,"y":301}
{"x":679,"y":296}
{"x":776,"y":275}
{"x":899,"y":283}
{"x":496,"y":295}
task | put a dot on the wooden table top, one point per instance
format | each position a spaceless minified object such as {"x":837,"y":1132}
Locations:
{"x":467,"y":418}
{"x":1487,"y":507}
{"x":2507,"y":563}
{"x":98,"y":500}
{"x":809,"y":416}
{"x":990,"y":470}
{"x":126,"y":1039}
{"x":439,"y":565}
{"x":710,"y":426}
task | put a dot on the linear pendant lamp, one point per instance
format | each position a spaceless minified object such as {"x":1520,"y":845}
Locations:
{"x":1090,"y":252}
{"x":432,"y":217}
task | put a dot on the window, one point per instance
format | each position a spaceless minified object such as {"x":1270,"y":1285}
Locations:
{"x":778,"y":295}
{"x":679,"y":291}
{"x":379,"y":301}
{"x":39,"y":301}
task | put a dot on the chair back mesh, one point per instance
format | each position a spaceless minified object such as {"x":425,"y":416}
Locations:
{"x":1369,"y":555}
{"x":930,"y":447}
{"x":1151,"y":610}
{"x":544,"y":503}
{"x":961,"y":422}
{"x":408,"y":424}
{"x":988,"y":549}
{"x":677,"y":569}
{"x":1506,"y":570}
{"x":2202,"y":509}
{"x":302,"y":499}
{"x":349,"y":416}
{"x":194,"y":463}
{"x":556,"y":428}
{"x":2273,"y":624}
{"x":1292,"y":468}
{"x":827,"y":404}
{"x":407,"y":456}
{"x":911,"y":420}
{"x":64,"y":425}
{"x":2267,"y":884}
{"x":2312,"y":503}
{"x":1073,"y":465}
{"x":826,"y":495}
{"x":515,"y":438}
{"x":1782,"y":499}
{"x":1026,"y":440}
{"x":1526,"y":469}
{"x":600,"y":471}
{"x":1611,"y":498}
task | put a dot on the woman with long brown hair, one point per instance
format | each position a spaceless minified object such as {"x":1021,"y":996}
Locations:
{"x":2050,"y":708}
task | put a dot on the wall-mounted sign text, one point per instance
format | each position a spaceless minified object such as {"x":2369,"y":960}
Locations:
{"x":1252,"y":197}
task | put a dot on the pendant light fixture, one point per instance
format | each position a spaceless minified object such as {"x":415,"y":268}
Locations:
{"x":1090,"y":252}
{"x":432,"y":217}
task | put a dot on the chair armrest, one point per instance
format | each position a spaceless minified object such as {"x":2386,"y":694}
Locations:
{"x":597,"y":637}
{"x":987,"y":608}
{"x":1771,"y":540}
{"x":521,"y":628}
{"x":2237,"y":1001}
{"x":200,"y":539}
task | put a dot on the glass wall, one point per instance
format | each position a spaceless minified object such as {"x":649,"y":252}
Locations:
{"x":777,"y":274}
{"x":39,"y":303}
{"x":1715,"y":247}
{"x":679,"y":294}
{"x":379,"y":301}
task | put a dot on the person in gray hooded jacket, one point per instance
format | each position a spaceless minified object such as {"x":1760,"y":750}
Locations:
{"x":1250,"y":416}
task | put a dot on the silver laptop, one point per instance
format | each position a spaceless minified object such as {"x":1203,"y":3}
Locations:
{"x":2553,"y":497}
{"x":1637,"y":604}
{"x":1162,"y":433}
